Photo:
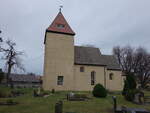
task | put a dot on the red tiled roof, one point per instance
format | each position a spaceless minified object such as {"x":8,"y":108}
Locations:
{"x":64,"y":26}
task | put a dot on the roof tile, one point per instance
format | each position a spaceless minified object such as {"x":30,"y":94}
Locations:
{"x":92,"y":56}
{"x":64,"y":26}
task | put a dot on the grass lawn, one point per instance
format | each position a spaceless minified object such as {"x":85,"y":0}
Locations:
{"x":30,"y":104}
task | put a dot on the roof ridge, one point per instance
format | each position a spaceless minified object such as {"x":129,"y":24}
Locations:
{"x":106,"y":55}
{"x":86,"y":47}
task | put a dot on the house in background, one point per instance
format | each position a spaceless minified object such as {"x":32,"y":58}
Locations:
{"x":78,"y":68}
{"x":25,"y":81}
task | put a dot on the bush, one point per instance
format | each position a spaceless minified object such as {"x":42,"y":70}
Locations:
{"x":45,"y":93}
{"x":129,"y":95}
{"x":17,"y":92}
{"x":125,"y":88}
{"x":99,"y":91}
{"x":53,"y":91}
{"x":129,"y":83}
{"x":10,"y":101}
{"x":41,"y":93}
{"x":41,"y":89}
{"x":129,"y":89}
{"x":5,"y":92}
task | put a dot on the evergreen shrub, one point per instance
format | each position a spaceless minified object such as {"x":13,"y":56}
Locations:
{"x":99,"y":91}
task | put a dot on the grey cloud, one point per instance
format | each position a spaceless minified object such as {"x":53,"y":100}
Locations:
{"x":103,"y":23}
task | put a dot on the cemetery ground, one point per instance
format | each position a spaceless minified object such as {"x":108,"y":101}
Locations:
{"x":27,"y":103}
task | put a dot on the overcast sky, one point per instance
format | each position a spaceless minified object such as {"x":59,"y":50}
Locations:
{"x":102,"y":23}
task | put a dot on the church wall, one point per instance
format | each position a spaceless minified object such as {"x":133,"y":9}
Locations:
{"x":59,"y":61}
{"x":83,"y":79}
{"x":116,"y":84}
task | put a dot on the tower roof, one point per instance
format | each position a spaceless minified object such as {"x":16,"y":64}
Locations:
{"x":60,"y":25}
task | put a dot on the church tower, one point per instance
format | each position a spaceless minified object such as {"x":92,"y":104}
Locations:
{"x":59,"y":55}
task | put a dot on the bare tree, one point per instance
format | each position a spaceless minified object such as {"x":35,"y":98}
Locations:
{"x":12,"y":58}
{"x":125,"y":58}
{"x":142,"y":70}
{"x":1,"y":40}
{"x":135,"y":61}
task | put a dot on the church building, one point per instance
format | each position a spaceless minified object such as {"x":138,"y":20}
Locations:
{"x":76,"y":68}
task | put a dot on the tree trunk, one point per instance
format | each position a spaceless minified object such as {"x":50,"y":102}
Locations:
{"x":8,"y":74}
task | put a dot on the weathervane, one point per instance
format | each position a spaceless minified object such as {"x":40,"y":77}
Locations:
{"x":60,"y":8}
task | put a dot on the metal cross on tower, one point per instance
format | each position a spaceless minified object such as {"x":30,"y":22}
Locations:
{"x":60,"y":8}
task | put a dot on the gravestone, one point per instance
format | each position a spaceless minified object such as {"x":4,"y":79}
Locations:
{"x":70,"y":95}
{"x":59,"y":107}
{"x":115,"y":103}
{"x":139,"y":98}
{"x":39,"y":91}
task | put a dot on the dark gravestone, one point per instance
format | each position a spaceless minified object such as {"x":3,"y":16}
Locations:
{"x":147,"y":100}
{"x":67,"y":96}
{"x":59,"y":107}
{"x":124,"y":109}
{"x":139,"y":98}
{"x":76,"y":97}
{"x":115,"y":103}
{"x":137,"y":110}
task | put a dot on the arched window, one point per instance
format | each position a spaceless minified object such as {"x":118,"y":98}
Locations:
{"x":111,"y":76}
{"x":93,"y":74}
